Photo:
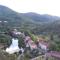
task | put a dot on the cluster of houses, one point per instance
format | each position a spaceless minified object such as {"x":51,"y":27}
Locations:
{"x":29,"y":43}
{"x":40,"y":45}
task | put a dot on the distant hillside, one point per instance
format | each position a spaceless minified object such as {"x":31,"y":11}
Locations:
{"x":41,"y":18}
{"x":6,"y":12}
{"x":13,"y":18}
{"x":32,"y":21}
{"x":53,"y":27}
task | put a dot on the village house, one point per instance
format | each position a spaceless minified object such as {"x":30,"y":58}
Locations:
{"x":43,"y":45}
{"x":30,"y":43}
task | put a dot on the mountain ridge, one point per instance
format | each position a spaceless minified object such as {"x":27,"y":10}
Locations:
{"x":5,"y":11}
{"x":29,"y":21}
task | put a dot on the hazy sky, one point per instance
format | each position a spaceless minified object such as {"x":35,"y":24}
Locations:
{"x":51,"y":7}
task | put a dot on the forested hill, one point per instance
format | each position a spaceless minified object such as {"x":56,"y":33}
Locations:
{"x":7,"y":13}
{"x":41,"y":17}
{"x":32,"y":21}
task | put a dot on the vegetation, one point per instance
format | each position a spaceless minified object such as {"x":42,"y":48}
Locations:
{"x":5,"y":56}
{"x":32,"y":24}
{"x":55,"y":44}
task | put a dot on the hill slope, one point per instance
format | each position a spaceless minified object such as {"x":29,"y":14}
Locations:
{"x":8,"y":13}
{"x":41,"y":18}
{"x":31,"y":21}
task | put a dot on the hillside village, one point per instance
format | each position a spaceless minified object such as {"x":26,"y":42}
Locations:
{"x":28,"y":36}
{"x":34,"y":49}
{"x":29,"y":43}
